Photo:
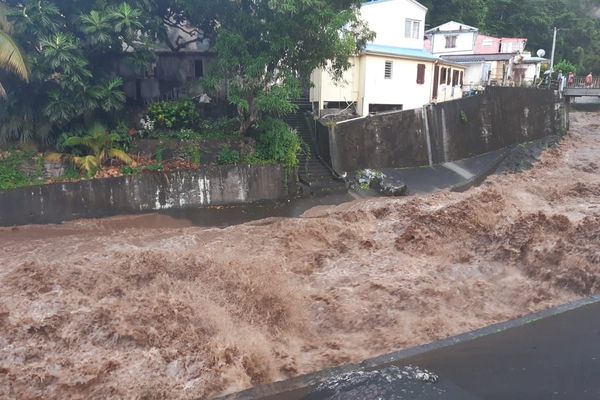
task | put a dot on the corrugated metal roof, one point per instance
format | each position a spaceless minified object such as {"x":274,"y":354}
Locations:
{"x":468,"y":58}
{"x":400,"y":52}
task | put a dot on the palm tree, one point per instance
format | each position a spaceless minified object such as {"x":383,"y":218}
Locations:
{"x":98,"y":26}
{"x":11,"y":58}
{"x":102,"y":146}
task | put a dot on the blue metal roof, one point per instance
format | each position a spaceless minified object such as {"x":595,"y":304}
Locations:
{"x":400,"y":52}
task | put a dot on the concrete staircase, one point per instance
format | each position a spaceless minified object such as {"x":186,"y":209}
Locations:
{"x":312,"y":171}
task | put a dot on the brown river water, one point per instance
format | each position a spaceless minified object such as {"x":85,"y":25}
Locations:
{"x":152,"y":307}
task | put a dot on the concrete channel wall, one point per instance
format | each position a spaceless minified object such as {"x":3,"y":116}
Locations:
{"x":221,"y":185}
{"x":443,"y":132}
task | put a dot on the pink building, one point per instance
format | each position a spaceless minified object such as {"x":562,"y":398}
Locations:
{"x":488,"y":60}
{"x":492,"y":45}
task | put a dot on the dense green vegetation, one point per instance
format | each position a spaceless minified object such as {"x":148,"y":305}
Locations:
{"x":74,"y":48}
{"x":20,"y":168}
{"x":578,"y":40}
{"x":67,"y":80}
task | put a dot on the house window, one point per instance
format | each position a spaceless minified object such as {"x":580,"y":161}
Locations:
{"x":420,"y":74}
{"x":388,"y":70}
{"x":443,"y":76}
{"x":451,"y":42}
{"x":412,"y":29}
{"x":198,"y":69}
{"x":455,"y":77}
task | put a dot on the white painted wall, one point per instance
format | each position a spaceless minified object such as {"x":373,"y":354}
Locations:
{"x":387,"y":19}
{"x":465,"y":40}
{"x":473,"y":75}
{"x":465,"y":43}
{"x":400,"y":89}
{"x":325,"y":88}
{"x":365,"y":82}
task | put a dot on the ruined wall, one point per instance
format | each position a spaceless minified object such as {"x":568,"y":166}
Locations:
{"x":452,"y":131}
{"x":146,"y":192}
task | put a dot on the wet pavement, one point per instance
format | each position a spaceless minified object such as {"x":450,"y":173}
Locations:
{"x":554,"y":354}
{"x":460,"y":174}
{"x":223,"y":216}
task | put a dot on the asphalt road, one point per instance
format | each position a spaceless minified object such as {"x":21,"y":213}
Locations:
{"x":552,"y":358}
{"x":550,"y":355}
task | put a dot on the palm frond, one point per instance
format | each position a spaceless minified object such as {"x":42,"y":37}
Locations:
{"x":54,"y":157}
{"x":97,"y":129}
{"x":74,"y":141}
{"x":11,"y":58}
{"x":2,"y":91}
{"x":120,"y":155}
{"x":87,"y":164}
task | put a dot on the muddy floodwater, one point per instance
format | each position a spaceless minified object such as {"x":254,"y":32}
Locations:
{"x":153,"y":307}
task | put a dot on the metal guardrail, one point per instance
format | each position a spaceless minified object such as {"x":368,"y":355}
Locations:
{"x":580,"y":82}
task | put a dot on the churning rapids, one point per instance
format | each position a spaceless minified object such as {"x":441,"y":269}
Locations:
{"x":121,"y":308}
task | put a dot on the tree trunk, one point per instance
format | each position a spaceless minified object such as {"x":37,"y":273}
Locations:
{"x":249,"y":118}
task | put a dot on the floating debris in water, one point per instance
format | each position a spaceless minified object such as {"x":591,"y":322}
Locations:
{"x":392,"y":383}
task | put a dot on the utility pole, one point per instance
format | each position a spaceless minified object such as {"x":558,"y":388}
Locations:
{"x":553,"y":50}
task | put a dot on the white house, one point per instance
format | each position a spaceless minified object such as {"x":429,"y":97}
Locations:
{"x":394,"y":71}
{"x":487,"y":59}
{"x":452,"y":38}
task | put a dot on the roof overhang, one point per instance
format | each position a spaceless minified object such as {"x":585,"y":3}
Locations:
{"x":369,"y":3}
{"x":407,"y":54}
{"x":475,"y":58}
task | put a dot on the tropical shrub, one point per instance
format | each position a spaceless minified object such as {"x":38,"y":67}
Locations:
{"x":228,"y":156}
{"x":565,"y":67}
{"x":182,"y":114}
{"x":19,"y":169}
{"x":97,"y":147}
{"x":278,"y":143}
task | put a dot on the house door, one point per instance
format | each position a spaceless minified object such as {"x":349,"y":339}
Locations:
{"x":436,"y":81}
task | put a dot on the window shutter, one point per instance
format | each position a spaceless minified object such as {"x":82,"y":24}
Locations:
{"x":408,"y":28}
{"x":420,"y":74}
{"x":388,"y":70}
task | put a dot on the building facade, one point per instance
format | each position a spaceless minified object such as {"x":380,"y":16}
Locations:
{"x":393,"y":72}
{"x":487,"y":60}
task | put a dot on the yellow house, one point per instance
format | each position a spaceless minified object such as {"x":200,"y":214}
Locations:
{"x":394,"y":72}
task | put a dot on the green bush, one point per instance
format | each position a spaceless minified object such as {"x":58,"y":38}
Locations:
{"x":278,"y":143}
{"x":124,"y":138}
{"x":228,"y":156}
{"x":173,"y":114}
{"x":220,"y":127}
{"x":194,"y":155}
{"x":19,"y":169}
{"x":565,"y":67}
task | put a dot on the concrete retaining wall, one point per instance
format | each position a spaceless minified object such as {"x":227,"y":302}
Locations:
{"x":146,"y":192}
{"x":452,"y":130}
